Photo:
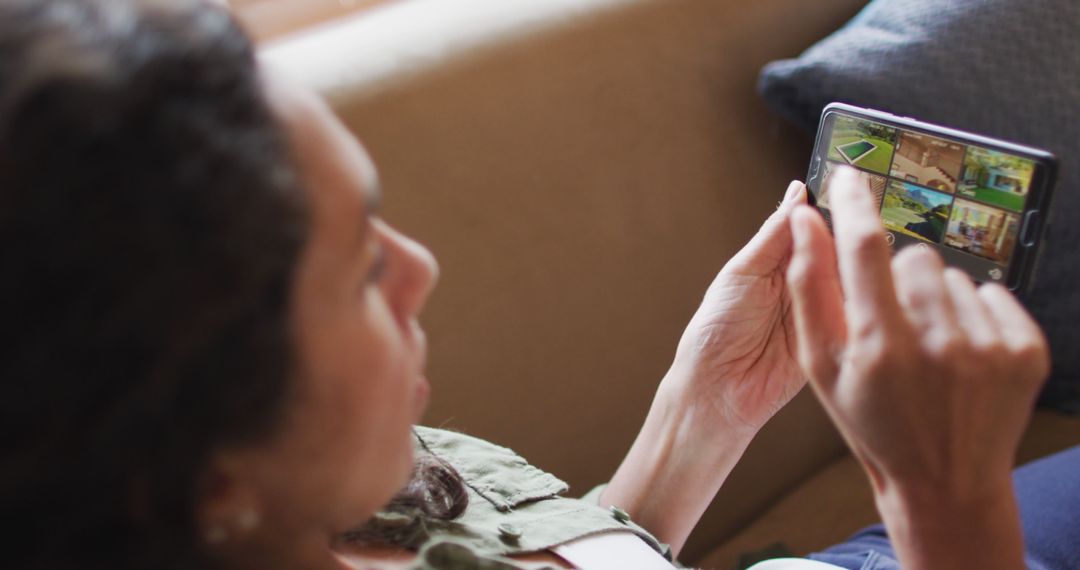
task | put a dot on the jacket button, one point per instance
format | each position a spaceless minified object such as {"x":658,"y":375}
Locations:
{"x":509,"y":532}
{"x":619,"y":514}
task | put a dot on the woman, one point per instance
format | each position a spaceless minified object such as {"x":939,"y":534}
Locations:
{"x":215,"y":361}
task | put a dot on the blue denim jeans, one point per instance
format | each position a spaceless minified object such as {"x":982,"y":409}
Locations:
{"x":1048,"y":491}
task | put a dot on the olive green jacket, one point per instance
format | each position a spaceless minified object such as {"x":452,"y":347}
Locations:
{"x":514,"y":508}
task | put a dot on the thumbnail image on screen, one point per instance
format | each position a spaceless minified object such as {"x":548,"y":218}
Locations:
{"x":864,"y":144}
{"x":935,"y":190}
{"x":996,"y":178}
{"x":928,"y":161}
{"x":916,"y":211}
{"x":982,"y":230}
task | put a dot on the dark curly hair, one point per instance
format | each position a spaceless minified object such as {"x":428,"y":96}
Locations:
{"x":151,"y":218}
{"x":150,"y":222}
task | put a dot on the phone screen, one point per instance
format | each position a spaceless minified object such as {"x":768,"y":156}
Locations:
{"x":966,"y":200}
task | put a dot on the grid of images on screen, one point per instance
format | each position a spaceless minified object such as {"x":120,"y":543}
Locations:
{"x":965,"y":197}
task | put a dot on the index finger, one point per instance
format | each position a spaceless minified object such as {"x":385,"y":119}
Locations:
{"x":862,"y":254}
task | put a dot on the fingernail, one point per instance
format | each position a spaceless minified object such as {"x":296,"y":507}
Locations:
{"x":792,"y":190}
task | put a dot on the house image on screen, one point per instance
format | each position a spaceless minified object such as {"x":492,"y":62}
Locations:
{"x":1004,"y":179}
{"x":928,"y":161}
{"x":981,"y":230}
{"x":996,"y":178}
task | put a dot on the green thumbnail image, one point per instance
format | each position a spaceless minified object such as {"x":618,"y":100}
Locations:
{"x":915,"y":211}
{"x":996,"y":178}
{"x":861,"y":143}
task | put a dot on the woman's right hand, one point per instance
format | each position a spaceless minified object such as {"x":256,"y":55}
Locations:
{"x":929,"y":379}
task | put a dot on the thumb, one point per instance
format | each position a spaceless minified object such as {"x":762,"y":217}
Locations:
{"x":816,"y":296}
{"x":771,"y":245}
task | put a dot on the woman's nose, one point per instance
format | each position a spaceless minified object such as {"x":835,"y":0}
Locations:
{"x":412,"y":271}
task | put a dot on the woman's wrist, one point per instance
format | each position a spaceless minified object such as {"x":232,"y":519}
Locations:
{"x":704,"y":419}
{"x":934,"y":527}
{"x":692,"y":422}
{"x":675,"y":467}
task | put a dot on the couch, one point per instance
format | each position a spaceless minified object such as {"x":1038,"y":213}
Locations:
{"x":581,"y":169}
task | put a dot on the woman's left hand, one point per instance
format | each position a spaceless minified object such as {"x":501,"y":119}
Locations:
{"x":736,"y":360}
{"x":734,"y":368}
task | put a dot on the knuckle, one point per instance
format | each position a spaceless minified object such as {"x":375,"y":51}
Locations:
{"x":950,"y":347}
{"x":926,"y":311}
{"x":1033,"y":356}
{"x":987,"y":346}
{"x":799,"y":273}
{"x":915,"y":296}
{"x":877,"y":352}
{"x":866,"y":241}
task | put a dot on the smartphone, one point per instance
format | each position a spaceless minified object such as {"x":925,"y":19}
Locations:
{"x":981,"y":202}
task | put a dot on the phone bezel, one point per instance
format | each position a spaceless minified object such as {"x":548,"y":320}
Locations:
{"x":1020,"y":270}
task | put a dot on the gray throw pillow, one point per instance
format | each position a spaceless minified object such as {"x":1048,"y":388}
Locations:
{"x":1004,"y":68}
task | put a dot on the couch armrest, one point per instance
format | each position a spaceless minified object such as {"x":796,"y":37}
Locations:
{"x":581,"y":168}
